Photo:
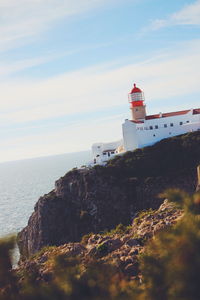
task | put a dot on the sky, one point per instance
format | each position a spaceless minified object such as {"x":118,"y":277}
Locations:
{"x":67,"y":66}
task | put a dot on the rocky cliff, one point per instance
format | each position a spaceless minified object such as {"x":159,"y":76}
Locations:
{"x":97,"y":199}
{"x":121,"y":246}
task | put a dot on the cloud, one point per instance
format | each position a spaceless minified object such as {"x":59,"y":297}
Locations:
{"x":23,"y":20}
{"x":37,"y":105}
{"x":188,"y":15}
{"x":93,"y":89}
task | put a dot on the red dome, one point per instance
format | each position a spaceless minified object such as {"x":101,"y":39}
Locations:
{"x":135,"y":90}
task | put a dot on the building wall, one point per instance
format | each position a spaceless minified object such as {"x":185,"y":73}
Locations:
{"x":130,"y":136}
{"x":147,"y":133}
{"x":138,"y":135}
{"x":100,"y":151}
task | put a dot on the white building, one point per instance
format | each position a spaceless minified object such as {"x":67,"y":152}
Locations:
{"x":144,"y":130}
{"x":102,"y":152}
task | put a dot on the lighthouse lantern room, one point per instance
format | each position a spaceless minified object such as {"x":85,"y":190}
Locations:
{"x":137,"y":106}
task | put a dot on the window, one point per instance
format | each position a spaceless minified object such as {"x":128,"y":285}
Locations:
{"x":181,"y":123}
{"x":156,"y":126}
{"x":187,"y":121}
{"x":154,"y":135}
{"x":171,"y":124}
{"x":150,"y":127}
{"x":165,"y":125}
{"x":104,"y":153}
{"x":112,"y":152}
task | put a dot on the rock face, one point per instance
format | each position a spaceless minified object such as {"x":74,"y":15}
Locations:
{"x":98,"y":199}
{"x":120,"y":249}
{"x":84,"y":201}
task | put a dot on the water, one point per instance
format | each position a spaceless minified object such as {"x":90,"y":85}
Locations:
{"x":23,"y":182}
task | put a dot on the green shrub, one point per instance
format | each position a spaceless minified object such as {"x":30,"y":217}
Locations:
{"x":142,"y":214}
{"x":119,"y":229}
{"x":42,"y":251}
{"x":85,"y":238}
{"x":171,"y":263}
{"x":102,"y":249}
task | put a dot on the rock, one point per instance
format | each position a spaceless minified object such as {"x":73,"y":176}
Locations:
{"x":121,"y":249}
{"x":46,"y":276}
{"x":92,"y":251}
{"x":134,"y":252}
{"x":75,"y":249}
{"x":115,"y":244}
{"x":133,"y":242}
{"x":131,"y":269}
{"x":125,"y":238}
{"x":128,"y":260}
{"x":43,"y":259}
{"x":159,"y":227}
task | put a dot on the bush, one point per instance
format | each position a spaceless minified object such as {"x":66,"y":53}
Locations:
{"x":171,"y":263}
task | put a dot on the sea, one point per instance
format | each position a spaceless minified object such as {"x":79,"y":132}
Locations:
{"x":23,"y":182}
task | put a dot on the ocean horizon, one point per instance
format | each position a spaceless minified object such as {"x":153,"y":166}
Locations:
{"x":22,"y":182}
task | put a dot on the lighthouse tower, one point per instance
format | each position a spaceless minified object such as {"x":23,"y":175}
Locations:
{"x":137,"y":106}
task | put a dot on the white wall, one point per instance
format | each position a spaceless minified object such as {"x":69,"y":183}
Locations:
{"x":146,"y":136}
{"x":99,"y":148}
{"x":130,"y":135}
{"x":137,"y":135}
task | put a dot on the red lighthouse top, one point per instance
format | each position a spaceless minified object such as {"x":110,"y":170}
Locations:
{"x":135,"y":90}
{"x":136,"y":97}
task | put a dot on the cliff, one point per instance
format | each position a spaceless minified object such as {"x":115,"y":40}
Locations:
{"x":120,"y":247}
{"x":97,"y":199}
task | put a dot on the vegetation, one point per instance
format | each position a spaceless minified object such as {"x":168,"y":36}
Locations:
{"x":170,"y":267}
{"x":171,"y":263}
{"x":102,"y":249}
{"x":165,"y":157}
{"x":42,"y":251}
{"x":71,"y":280}
{"x":86,"y":237}
{"x":120,"y":229}
{"x":142,"y":214}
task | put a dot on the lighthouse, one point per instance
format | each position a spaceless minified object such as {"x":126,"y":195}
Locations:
{"x":137,"y":106}
{"x":144,"y":130}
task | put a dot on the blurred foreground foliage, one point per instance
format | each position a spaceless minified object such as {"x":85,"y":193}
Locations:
{"x":170,"y":268}
{"x":171,"y":262}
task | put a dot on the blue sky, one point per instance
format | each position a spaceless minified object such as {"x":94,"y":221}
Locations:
{"x":67,"y":66}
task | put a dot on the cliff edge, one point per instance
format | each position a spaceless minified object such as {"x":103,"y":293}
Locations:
{"x":97,"y":199}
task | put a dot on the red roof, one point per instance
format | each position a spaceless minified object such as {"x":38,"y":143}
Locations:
{"x":138,"y":122}
{"x":196,"y":111}
{"x":170,"y":114}
{"x":135,"y":90}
